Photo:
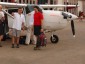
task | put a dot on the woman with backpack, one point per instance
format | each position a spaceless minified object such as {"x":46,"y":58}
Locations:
{"x":38,"y":19}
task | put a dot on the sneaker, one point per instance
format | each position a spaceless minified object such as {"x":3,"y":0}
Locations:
{"x":0,"y":45}
{"x":26,"y":44}
{"x":17,"y":46}
{"x":37,"y":48}
{"x":12,"y":45}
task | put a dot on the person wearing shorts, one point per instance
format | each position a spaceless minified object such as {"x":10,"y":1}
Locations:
{"x":19,"y":20}
{"x":16,"y":32}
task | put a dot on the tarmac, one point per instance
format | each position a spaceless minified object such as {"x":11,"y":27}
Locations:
{"x":68,"y":50}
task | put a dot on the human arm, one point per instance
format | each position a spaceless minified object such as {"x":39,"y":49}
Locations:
{"x":2,"y":17}
{"x":23,"y":23}
{"x":41,"y":17}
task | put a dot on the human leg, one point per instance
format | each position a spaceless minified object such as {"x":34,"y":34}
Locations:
{"x":13,"y":41}
{"x":28,"y":36}
{"x":13,"y":37}
{"x":1,"y":33}
{"x":37,"y":33}
{"x":17,"y":42}
{"x":18,"y":37}
{"x":1,"y":36}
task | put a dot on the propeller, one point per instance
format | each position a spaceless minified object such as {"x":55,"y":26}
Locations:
{"x":73,"y":28}
{"x":72,"y":22}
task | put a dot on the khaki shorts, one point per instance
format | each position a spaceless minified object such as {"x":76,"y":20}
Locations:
{"x":16,"y":33}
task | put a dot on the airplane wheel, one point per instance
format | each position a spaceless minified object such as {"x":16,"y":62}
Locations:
{"x":54,"y":39}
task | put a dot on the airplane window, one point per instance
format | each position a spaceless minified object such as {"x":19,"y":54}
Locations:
{"x":30,"y":8}
{"x":27,"y":10}
{"x":12,"y":10}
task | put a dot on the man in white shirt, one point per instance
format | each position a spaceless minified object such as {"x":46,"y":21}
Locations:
{"x":30,"y":33}
{"x":18,"y":23}
{"x":1,"y":24}
{"x":29,"y":25}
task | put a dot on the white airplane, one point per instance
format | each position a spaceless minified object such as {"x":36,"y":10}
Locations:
{"x":53,"y":20}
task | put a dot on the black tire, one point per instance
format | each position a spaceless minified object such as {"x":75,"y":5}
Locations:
{"x":55,"y":39}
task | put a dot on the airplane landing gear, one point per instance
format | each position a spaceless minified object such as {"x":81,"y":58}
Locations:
{"x":54,"y":39}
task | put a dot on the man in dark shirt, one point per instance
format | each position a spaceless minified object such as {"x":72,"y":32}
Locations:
{"x":1,"y":25}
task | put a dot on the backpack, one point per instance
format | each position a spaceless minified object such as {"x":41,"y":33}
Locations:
{"x":22,"y":40}
{"x":43,"y":39}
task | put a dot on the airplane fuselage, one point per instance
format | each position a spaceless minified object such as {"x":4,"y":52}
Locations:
{"x":53,"y":20}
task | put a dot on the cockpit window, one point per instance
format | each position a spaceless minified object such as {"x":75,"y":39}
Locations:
{"x":27,"y":10}
{"x":12,"y":10}
{"x":30,"y":8}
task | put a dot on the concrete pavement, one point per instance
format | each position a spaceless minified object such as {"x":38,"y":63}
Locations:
{"x":68,"y":50}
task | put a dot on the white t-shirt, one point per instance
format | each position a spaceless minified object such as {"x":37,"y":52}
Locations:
{"x":1,"y":14}
{"x":18,"y":20}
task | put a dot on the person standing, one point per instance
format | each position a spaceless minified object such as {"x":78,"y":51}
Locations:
{"x":38,"y":21}
{"x":30,"y":37}
{"x":30,"y":28}
{"x":18,"y":23}
{"x":1,"y":25}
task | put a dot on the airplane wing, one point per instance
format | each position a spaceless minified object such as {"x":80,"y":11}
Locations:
{"x":11,"y":5}
{"x":8,"y":5}
{"x":59,"y":5}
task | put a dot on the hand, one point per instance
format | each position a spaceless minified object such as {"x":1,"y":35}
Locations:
{"x":42,"y":30}
{"x":23,"y":28}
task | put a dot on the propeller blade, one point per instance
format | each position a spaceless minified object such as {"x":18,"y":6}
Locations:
{"x":73,"y":28}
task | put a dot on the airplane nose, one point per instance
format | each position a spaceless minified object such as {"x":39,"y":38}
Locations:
{"x":74,"y":17}
{"x":69,"y":16}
